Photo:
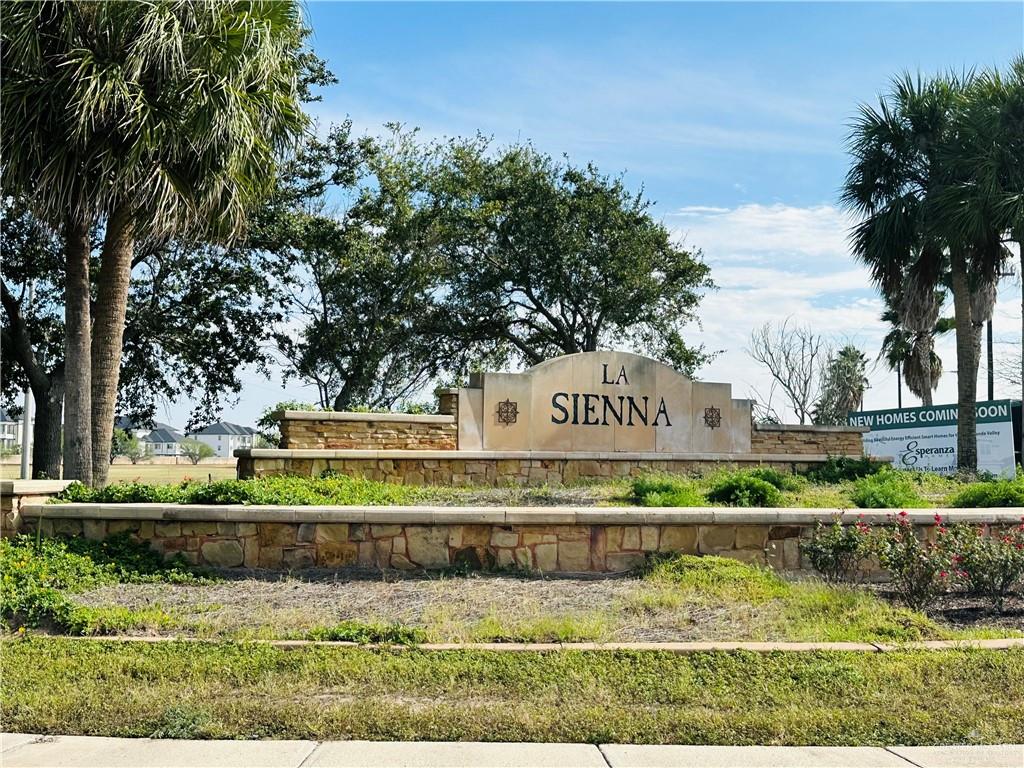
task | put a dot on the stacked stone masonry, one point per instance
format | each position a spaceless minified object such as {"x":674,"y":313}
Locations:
{"x":794,"y":440}
{"x":363,"y":431}
{"x":395,"y":539}
{"x":494,"y":472}
{"x":14,"y":494}
{"x":544,"y":548}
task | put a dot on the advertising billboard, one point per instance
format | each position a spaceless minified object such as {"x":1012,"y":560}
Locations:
{"x":925,"y":438}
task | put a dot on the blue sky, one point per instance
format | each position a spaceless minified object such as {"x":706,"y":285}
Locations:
{"x":732,"y":116}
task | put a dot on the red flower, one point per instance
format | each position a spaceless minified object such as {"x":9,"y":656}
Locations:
{"x":903,"y":513}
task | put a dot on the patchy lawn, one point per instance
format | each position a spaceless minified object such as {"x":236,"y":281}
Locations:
{"x":689,"y":598}
{"x":225,"y":690}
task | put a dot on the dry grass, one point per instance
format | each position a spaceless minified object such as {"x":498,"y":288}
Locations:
{"x":743,"y":604}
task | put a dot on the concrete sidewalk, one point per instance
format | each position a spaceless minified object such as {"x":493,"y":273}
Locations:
{"x":29,"y":751}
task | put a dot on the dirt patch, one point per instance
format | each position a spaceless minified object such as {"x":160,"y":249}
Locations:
{"x":456,"y":608}
{"x":960,"y":611}
{"x":485,"y":607}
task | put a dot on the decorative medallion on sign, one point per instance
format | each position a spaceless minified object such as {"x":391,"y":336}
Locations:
{"x":713,"y":417}
{"x":508,"y":411}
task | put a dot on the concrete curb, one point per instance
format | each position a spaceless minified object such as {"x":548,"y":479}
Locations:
{"x":999,"y":644}
{"x":31,"y":751}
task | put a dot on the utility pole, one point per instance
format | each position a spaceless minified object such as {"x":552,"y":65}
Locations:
{"x":991,"y":363}
{"x":26,"y":417}
{"x":899,"y":388}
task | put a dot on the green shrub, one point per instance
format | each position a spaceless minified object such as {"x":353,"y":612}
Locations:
{"x":919,"y":570}
{"x":886,"y":489}
{"x":990,"y":563}
{"x":667,"y":491}
{"x":290,"y":490}
{"x":838,"y":469}
{"x":837,"y":551}
{"x":362,"y":632}
{"x":742,"y":489}
{"x":994,"y":493}
{"x":781,"y":480}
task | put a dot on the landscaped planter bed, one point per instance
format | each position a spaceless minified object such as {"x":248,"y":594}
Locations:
{"x":520,"y":608}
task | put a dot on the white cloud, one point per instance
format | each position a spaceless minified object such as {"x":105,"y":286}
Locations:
{"x":773,"y":262}
{"x":765,"y":230}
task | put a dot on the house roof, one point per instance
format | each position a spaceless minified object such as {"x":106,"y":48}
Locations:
{"x":4,"y":416}
{"x":226,"y":428}
{"x":123,"y":422}
{"x":164,"y":435}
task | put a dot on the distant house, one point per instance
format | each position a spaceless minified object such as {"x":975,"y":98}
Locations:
{"x":10,"y":430}
{"x":225,"y":438}
{"x":140,"y":431}
{"x":164,"y":441}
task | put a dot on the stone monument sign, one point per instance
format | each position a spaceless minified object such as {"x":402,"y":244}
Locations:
{"x":601,"y":401}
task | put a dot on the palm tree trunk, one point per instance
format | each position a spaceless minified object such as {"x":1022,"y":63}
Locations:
{"x":46,"y":430}
{"x":923,"y":344}
{"x":77,"y":362}
{"x":108,"y":335}
{"x":967,"y":369}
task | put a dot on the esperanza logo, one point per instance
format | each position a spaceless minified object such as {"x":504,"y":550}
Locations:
{"x":910,"y":455}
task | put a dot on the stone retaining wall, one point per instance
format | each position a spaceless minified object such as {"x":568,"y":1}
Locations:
{"x":550,"y":540}
{"x":500,"y":470}
{"x":800,"y":439}
{"x":14,"y":494}
{"x":302,"y":429}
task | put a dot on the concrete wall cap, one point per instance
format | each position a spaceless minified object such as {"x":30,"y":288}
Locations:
{"x":509,"y":515}
{"x":32,"y":487}
{"x":410,"y":418}
{"x":457,"y":455}
{"x":820,"y":428}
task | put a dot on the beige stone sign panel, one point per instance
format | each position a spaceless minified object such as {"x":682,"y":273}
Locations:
{"x":603,"y":402}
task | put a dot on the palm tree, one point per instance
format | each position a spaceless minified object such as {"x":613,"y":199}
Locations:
{"x":843,"y":383}
{"x":986,"y":199}
{"x":148,"y":118}
{"x":901,"y":169}
{"x":904,"y":351}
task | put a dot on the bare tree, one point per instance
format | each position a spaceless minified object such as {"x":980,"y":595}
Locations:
{"x":762,"y":409}
{"x":1008,"y":368}
{"x":794,"y":356}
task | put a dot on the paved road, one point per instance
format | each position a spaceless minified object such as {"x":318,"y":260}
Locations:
{"x":28,"y":751}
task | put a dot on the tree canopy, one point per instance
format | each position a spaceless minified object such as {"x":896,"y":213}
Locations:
{"x":932,"y":176}
{"x":147,"y":119}
{"x":404,"y":262}
{"x":551,"y":258}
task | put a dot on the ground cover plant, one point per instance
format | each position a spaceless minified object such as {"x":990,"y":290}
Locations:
{"x":39,"y":577}
{"x":227,"y":690}
{"x":289,"y":490}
